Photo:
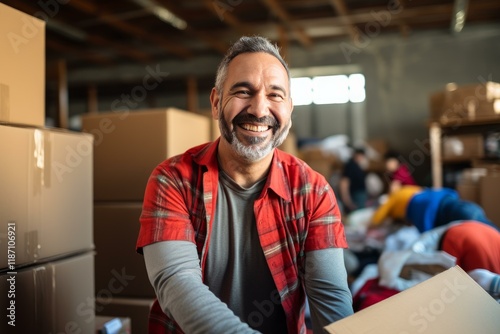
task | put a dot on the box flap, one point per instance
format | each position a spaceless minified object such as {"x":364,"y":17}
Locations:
{"x":450,"y":302}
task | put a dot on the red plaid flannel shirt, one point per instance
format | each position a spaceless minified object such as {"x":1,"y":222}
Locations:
{"x":295,"y":213}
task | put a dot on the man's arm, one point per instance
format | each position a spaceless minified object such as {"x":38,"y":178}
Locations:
{"x":174,"y":271}
{"x":326,"y":287}
{"x":345,"y":194}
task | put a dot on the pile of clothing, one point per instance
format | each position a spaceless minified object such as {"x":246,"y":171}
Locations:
{"x":414,"y":234}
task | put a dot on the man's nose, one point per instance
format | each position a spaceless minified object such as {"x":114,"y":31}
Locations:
{"x":259,"y":105}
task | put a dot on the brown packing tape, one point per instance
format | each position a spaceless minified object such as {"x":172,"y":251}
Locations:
{"x":4,"y":102}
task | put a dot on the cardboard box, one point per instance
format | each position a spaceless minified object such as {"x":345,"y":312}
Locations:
{"x":129,"y":145}
{"x":489,"y":193}
{"x":450,"y":302}
{"x":375,"y":150}
{"x":318,"y":160}
{"x":54,"y":297}
{"x":289,"y":145}
{"x":116,"y":227}
{"x":22,"y":68}
{"x":134,"y":308}
{"x":468,"y":184}
{"x":46,"y":197}
{"x":490,"y":166}
{"x":469,"y":102}
{"x":463,"y":147}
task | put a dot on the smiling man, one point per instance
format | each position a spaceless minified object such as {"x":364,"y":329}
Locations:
{"x":236,"y":233}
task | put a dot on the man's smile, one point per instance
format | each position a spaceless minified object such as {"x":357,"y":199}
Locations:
{"x":255,"y":128}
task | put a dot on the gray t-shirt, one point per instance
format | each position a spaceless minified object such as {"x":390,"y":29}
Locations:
{"x":236,"y":269}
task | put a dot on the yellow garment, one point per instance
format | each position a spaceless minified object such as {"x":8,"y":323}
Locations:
{"x":396,"y":204}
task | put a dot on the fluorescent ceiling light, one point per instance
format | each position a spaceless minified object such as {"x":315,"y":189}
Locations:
{"x":162,"y":13}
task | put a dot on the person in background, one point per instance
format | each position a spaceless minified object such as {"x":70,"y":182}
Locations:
{"x":236,"y":233}
{"x":352,"y":183}
{"x":475,"y":245}
{"x":427,"y":208}
{"x":397,"y":172}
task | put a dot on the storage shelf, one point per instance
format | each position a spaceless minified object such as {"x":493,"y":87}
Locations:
{"x":456,"y":126}
{"x":458,"y":122}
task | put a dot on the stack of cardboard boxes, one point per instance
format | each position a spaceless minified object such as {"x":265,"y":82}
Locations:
{"x":46,"y":244}
{"x":128,"y":146}
{"x":469,"y":119}
{"x":481,"y":184}
{"x":475,"y":102}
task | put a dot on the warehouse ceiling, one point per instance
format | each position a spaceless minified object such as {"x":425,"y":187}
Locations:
{"x":100,"y":34}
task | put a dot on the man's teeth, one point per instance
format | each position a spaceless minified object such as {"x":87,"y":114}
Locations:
{"x":255,"y":128}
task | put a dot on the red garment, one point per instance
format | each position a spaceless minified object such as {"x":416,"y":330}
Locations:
{"x":403,"y":175}
{"x":474,"y":244}
{"x":371,"y":293}
{"x":295,"y":213}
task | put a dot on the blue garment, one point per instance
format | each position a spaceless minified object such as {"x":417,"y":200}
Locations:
{"x":424,"y":206}
{"x":452,"y":209}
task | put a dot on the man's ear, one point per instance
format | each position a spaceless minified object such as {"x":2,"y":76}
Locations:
{"x":214,"y":103}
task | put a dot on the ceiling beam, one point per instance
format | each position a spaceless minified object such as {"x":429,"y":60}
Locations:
{"x":206,"y":37}
{"x":117,"y":23}
{"x":343,"y":14}
{"x":66,"y":49}
{"x":115,"y":47}
{"x":286,"y":19}
{"x":120,"y":48}
{"x":228,"y":18}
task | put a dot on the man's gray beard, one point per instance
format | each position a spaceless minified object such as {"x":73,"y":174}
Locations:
{"x":251,"y":153}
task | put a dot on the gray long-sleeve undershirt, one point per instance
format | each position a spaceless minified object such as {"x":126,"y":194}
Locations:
{"x":174,"y":271}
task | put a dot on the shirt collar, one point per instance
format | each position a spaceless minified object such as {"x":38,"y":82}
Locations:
{"x":277,"y":181}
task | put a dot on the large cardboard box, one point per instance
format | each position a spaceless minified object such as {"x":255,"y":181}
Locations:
{"x":463,"y":147}
{"x":468,"y":184}
{"x":134,"y":308}
{"x":46,"y":194}
{"x":116,"y":227}
{"x":289,"y":145}
{"x":320,"y":161}
{"x":129,"y":145}
{"x":450,"y":302}
{"x":54,"y":297}
{"x":489,"y":194}
{"x":214,"y":124}
{"x":22,"y":68}
{"x":466,"y":102}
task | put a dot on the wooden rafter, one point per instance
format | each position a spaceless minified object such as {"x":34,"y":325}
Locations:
{"x":343,"y":13}
{"x":115,"y":47}
{"x":227,"y":17}
{"x":282,"y":14}
{"x":205,"y":37}
{"x":119,"y":24}
{"x":90,"y":56}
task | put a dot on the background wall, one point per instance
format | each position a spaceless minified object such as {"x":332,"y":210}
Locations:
{"x":400,"y":74}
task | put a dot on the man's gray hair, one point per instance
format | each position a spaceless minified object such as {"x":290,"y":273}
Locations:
{"x":247,"y":45}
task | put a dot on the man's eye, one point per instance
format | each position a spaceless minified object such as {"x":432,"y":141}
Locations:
{"x":242,"y":93}
{"x":276,"y":97}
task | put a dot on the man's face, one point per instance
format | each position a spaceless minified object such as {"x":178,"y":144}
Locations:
{"x":255,"y":107}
